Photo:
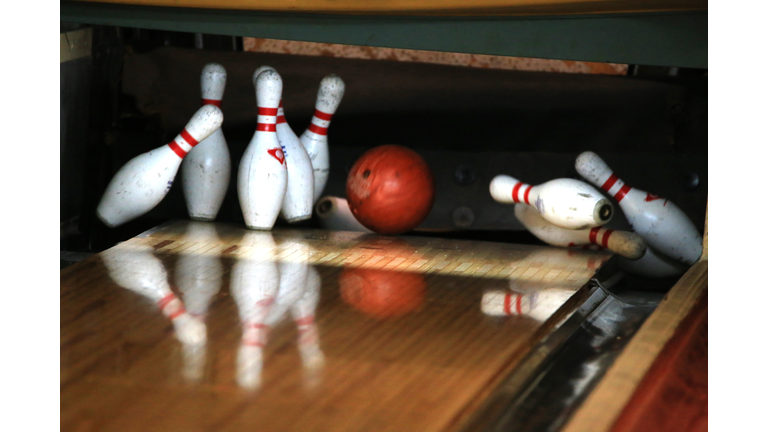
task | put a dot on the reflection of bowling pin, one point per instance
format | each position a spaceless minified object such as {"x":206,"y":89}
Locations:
{"x":653,"y":265}
{"x":627,"y":244}
{"x":334,"y":214}
{"x":144,"y":181}
{"x":138,"y":270}
{"x":538,"y":305}
{"x":661,"y":223}
{"x":303,"y":312}
{"x":198,"y":275}
{"x":567,"y":203}
{"x":315,"y":138}
{"x":262,"y":177}
{"x":206,"y":169}
{"x":254,"y":284}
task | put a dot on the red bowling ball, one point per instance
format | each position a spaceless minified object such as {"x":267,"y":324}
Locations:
{"x":390,"y":189}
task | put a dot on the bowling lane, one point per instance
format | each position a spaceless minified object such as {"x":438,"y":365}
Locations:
{"x":202,"y":326}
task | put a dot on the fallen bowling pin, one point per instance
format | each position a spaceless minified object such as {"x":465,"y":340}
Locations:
{"x":262,"y":178}
{"x":538,"y":305}
{"x":334,"y":214}
{"x":144,"y":181}
{"x":659,"y":221}
{"x":567,"y":203}
{"x":315,"y":138}
{"x":206,"y":170}
{"x":653,"y":265}
{"x":626,"y":244}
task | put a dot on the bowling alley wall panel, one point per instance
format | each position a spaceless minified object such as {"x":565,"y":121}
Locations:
{"x":434,"y":57}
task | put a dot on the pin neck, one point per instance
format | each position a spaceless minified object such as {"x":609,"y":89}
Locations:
{"x":183,"y":143}
{"x":267,"y":119}
{"x":521,"y":193}
{"x":216,"y":102}
{"x":614,"y":181}
{"x":320,"y":122}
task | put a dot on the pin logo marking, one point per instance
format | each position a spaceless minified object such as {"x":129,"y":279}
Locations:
{"x":277,"y":153}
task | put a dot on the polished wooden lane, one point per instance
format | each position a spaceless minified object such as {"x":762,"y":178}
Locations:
{"x":214,"y":327}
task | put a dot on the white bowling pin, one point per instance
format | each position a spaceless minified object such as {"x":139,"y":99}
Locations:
{"x":653,"y":265}
{"x":206,"y":169}
{"x":299,"y":194}
{"x":144,"y":181}
{"x":138,"y":270}
{"x":334,"y":214}
{"x":254,"y":284}
{"x":262,"y":177}
{"x":624,"y":243}
{"x":315,"y":138}
{"x":567,"y":203}
{"x":538,"y":305}
{"x":659,"y":221}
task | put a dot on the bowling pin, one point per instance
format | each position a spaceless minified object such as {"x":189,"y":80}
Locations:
{"x":299,"y":194}
{"x":626,"y":244}
{"x":262,"y":177}
{"x":334,"y":214}
{"x":137,"y":269}
{"x":206,"y":169}
{"x":653,"y":265}
{"x":659,"y":221}
{"x":538,"y":305}
{"x":315,"y":138}
{"x":567,"y":203}
{"x":254,"y":284}
{"x":144,"y":181}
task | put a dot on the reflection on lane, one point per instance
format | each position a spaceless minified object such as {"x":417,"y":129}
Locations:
{"x":254,"y":284}
{"x":198,"y":276}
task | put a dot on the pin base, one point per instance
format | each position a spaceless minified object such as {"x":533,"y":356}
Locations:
{"x":299,"y":218}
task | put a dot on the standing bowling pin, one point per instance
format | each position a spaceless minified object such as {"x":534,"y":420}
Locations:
{"x":206,"y":169}
{"x":299,"y":194}
{"x":144,"y":181}
{"x":626,"y":244}
{"x":661,"y":223}
{"x":262,"y":177}
{"x":567,"y":203}
{"x":315,"y":138}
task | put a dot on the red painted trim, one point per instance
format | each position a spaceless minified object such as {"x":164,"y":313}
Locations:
{"x":515,"y":191}
{"x":323,"y":116}
{"x":280,"y":119}
{"x":267,"y":111}
{"x":177,"y":149}
{"x":266,"y":127}
{"x":507,"y":304}
{"x":318,"y":129}
{"x":165,"y":300}
{"x":606,"y":235}
{"x":593,"y":235}
{"x":189,"y":138}
{"x":216,"y":102}
{"x":610,"y":182}
{"x":528,"y":192}
{"x":623,"y":191}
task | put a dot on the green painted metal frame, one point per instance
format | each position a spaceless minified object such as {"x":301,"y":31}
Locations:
{"x":668,"y":39}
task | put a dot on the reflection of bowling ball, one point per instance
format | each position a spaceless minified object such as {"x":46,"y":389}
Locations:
{"x":390,"y":189}
{"x":382,"y":293}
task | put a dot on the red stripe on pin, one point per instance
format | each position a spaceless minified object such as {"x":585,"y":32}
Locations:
{"x":189,"y":138}
{"x":165,"y":300}
{"x":593,"y":235}
{"x":610,"y":182}
{"x":266,"y":127}
{"x":323,"y":116}
{"x":623,"y":191}
{"x":318,"y":129}
{"x":216,"y":102}
{"x":267,"y":111}
{"x":508,"y":304}
{"x":528,"y":192}
{"x":605,"y":237}
{"x":307,"y":320}
{"x":519,"y":304}
{"x":515,"y":191}
{"x":177,"y":149}
{"x":280,"y":119}
{"x":178,"y":313}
